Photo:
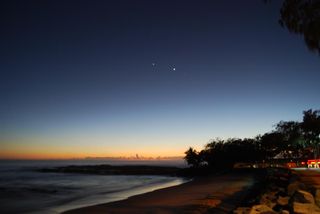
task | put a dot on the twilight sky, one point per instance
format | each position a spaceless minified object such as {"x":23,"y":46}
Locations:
{"x":110,"y":78}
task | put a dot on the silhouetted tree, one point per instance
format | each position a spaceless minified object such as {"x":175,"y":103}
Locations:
{"x":311,"y":129}
{"x":251,"y":150}
{"x":294,"y":143}
{"x":213,"y":153}
{"x":192,"y":157}
{"x":303,"y":17}
{"x":224,"y":154}
{"x":290,"y":139}
{"x":272,"y":144}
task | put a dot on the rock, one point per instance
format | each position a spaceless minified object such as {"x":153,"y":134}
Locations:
{"x":261,"y":209}
{"x":285,"y":212}
{"x":283,"y":201}
{"x":305,"y":208}
{"x":281,"y":192}
{"x":242,"y":210}
{"x":273,"y":187}
{"x":269,"y":199}
{"x":304,"y":203}
{"x":302,"y":196}
{"x":317,"y":197}
{"x":295,"y":186}
{"x":272,"y":195}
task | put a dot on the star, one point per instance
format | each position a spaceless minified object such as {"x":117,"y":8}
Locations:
{"x":173,"y":69}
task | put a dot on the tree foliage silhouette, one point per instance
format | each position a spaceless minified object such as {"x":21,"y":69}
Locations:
{"x":192,"y":158}
{"x":289,"y":140}
{"x":303,"y":17}
{"x":311,"y":129}
{"x":293,"y":140}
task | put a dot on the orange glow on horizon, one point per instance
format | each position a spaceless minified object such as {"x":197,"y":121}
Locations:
{"x":65,"y":157}
{"x":79,"y":147}
{"x":11,"y":155}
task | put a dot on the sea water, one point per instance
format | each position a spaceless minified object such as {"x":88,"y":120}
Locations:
{"x":24,"y":190}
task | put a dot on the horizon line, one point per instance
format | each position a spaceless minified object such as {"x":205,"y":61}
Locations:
{"x":101,"y":158}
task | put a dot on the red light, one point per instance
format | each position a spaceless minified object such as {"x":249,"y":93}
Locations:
{"x":313,"y":161}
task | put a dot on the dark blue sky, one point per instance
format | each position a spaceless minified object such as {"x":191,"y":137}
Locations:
{"x":84,"y":69}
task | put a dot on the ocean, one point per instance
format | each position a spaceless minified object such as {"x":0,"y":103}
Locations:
{"x":24,"y":190}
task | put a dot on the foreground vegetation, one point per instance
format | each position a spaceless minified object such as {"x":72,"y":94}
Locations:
{"x":290,"y":140}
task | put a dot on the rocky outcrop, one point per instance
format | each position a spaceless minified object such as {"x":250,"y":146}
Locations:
{"x":303,"y":203}
{"x":283,"y":201}
{"x":301,"y":196}
{"x":285,"y":194}
{"x":261,"y":208}
{"x":294,"y":186}
{"x":317,"y":197}
{"x":305,"y":208}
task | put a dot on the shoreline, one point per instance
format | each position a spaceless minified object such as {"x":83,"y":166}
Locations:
{"x":122,"y":194}
{"x":221,"y":192}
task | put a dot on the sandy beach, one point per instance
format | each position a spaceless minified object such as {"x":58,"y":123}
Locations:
{"x":219,"y":194}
